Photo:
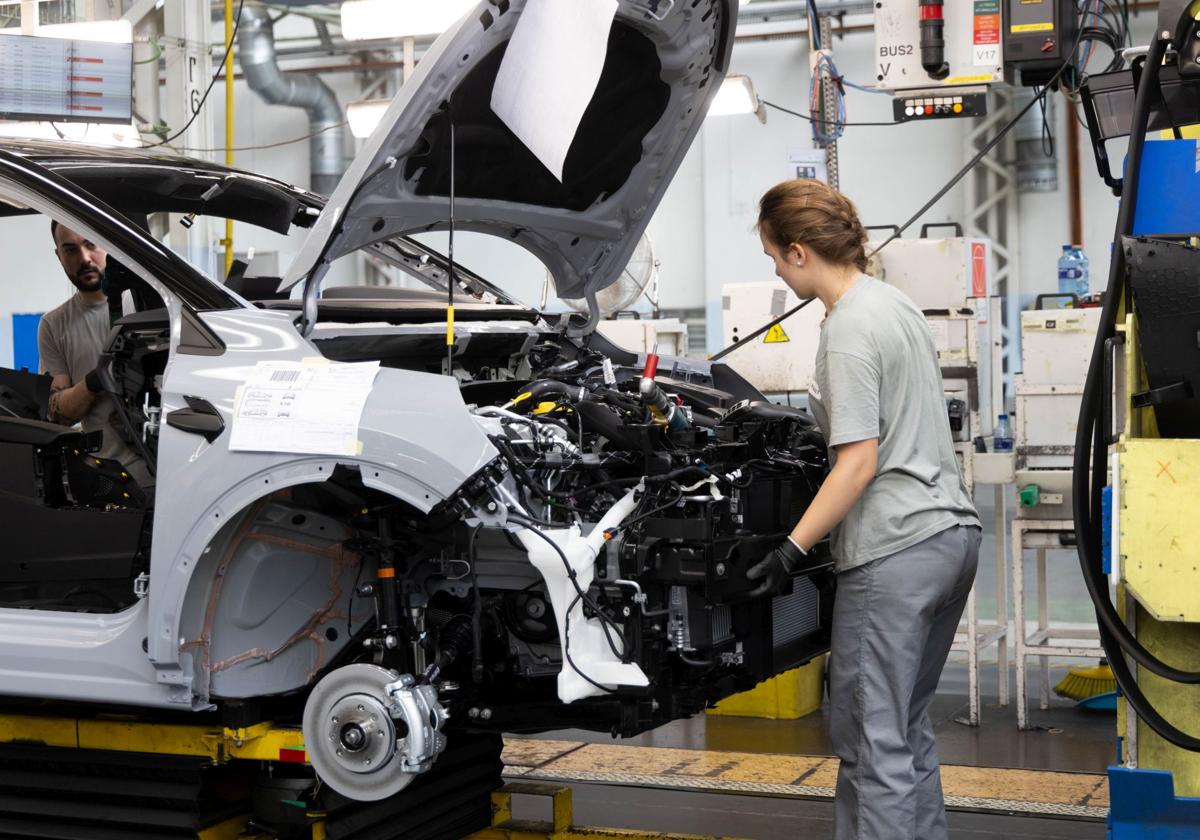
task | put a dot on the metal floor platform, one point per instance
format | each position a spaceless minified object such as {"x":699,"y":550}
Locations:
{"x":755,"y":778}
{"x":762,"y":818}
{"x":981,"y":789}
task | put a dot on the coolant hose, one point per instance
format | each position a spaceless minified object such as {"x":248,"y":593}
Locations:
{"x":532,"y":393}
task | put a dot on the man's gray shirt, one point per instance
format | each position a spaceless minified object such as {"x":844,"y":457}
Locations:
{"x":70,"y":338}
{"x":877,"y":376}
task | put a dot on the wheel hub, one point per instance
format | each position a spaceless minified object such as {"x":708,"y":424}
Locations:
{"x":369,"y":731}
{"x":361,"y":732}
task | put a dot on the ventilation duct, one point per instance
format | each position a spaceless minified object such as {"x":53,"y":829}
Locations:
{"x":256,"y":55}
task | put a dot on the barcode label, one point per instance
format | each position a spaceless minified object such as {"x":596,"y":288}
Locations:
{"x":285,"y":375}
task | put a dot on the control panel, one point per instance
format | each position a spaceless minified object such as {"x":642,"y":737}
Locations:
{"x":938,"y":104}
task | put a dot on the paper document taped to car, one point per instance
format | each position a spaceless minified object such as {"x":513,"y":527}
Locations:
{"x":550,"y":72}
{"x":306,"y":407}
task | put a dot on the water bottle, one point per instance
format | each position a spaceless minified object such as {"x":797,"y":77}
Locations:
{"x":1002,"y":435}
{"x":1068,"y":271}
{"x":1082,"y":281}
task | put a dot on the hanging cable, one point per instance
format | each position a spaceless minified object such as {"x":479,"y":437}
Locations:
{"x":212,"y":83}
{"x":1047,"y":130}
{"x":824,"y":122}
{"x":280,"y":144}
{"x":823,"y":69}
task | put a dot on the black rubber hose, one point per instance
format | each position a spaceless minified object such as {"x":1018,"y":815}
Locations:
{"x":1087,"y":484}
{"x":1138,"y":701}
{"x":541,"y":388}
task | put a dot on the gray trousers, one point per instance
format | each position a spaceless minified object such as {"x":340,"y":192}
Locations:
{"x":894,"y":620}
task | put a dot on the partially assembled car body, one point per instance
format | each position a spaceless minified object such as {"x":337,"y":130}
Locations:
{"x":538,"y":529}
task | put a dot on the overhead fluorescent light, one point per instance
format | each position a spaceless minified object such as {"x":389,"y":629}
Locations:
{"x":109,"y":31}
{"x":364,"y":115}
{"x":373,"y":20}
{"x":96,"y":134}
{"x":737,"y":96}
{"x":118,"y":31}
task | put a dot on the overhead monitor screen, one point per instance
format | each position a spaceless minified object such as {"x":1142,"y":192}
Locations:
{"x":62,"y":79}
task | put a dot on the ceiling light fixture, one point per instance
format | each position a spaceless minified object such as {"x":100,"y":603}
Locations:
{"x":737,"y":96}
{"x":95,"y":134}
{"x":373,"y":20}
{"x":118,"y":31}
{"x":364,"y":115}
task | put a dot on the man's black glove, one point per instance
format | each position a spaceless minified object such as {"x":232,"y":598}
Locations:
{"x":776,"y":569}
{"x":94,"y":380}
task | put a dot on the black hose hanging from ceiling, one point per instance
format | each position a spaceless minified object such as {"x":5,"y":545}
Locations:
{"x":1088,"y":479}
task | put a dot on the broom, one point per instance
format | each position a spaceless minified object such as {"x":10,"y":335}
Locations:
{"x":1082,"y":683}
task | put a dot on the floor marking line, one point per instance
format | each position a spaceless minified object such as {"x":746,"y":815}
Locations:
{"x":809,"y":772}
{"x":553,"y":759}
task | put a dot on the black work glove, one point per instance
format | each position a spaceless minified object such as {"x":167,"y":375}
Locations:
{"x":94,"y":380}
{"x":776,"y":569}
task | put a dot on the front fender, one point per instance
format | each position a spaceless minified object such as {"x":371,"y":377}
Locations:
{"x":417,"y":442}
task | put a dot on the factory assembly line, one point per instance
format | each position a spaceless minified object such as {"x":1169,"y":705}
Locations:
{"x":409,"y":543}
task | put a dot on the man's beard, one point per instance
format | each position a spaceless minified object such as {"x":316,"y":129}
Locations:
{"x":84,"y":283}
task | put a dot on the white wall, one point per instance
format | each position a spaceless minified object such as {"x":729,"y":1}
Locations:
{"x":33,"y":280}
{"x":887,"y":171}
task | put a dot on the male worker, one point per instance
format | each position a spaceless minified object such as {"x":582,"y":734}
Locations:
{"x":70,"y":340}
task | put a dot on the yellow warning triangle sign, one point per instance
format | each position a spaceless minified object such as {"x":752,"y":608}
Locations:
{"x":776,"y":335}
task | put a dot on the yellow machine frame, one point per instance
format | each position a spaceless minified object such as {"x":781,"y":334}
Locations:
{"x":1156,"y":484}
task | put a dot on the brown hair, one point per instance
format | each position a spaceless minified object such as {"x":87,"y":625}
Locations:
{"x":812,"y":214}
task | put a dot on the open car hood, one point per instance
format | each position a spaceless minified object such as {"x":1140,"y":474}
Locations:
{"x":665,"y":61}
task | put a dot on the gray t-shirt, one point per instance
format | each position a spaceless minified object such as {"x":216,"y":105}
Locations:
{"x":877,"y":376}
{"x":70,"y":338}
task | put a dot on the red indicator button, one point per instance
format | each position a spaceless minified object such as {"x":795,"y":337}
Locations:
{"x":928,"y":109}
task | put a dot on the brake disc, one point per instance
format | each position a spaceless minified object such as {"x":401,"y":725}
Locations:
{"x":351,"y":739}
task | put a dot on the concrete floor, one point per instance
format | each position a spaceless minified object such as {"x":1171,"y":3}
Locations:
{"x":1060,"y":738}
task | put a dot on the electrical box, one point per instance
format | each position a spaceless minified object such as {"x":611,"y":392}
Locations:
{"x":783,"y":359}
{"x":642,"y":335}
{"x":943,"y":274}
{"x":973,"y":52}
{"x":944,"y":277}
{"x":1039,"y":36}
{"x":1056,"y":348}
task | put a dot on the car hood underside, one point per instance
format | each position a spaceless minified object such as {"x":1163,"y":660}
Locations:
{"x":664,"y":63}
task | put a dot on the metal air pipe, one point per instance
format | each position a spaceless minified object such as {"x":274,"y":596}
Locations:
{"x":256,"y":54}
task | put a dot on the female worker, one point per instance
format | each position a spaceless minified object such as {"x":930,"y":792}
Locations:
{"x":905,"y":534}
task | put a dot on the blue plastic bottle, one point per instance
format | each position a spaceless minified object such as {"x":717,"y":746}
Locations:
{"x":1081,"y":282}
{"x":1068,"y":271}
{"x":1002,"y":435}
